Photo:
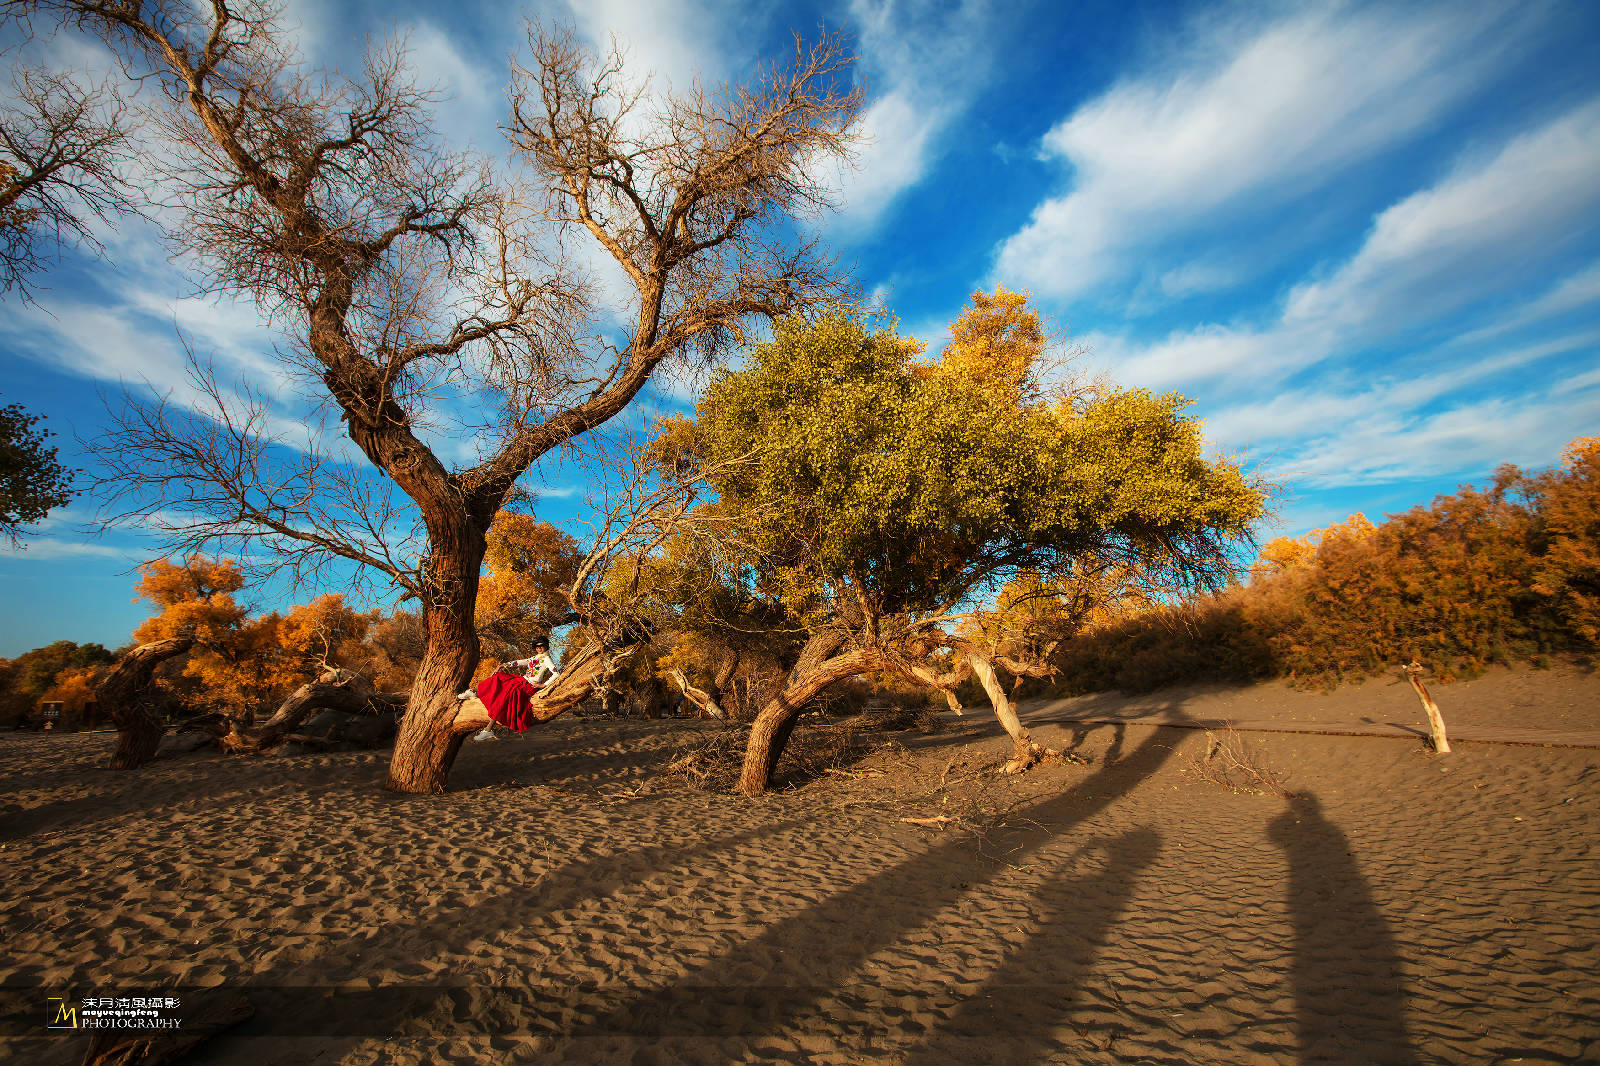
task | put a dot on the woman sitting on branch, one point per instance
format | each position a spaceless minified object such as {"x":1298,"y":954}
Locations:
{"x":506,"y":692}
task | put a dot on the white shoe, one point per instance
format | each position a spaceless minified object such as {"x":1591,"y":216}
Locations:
{"x":484,"y":734}
{"x":467,"y":695}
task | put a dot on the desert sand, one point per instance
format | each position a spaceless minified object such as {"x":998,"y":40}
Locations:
{"x":565,"y":904}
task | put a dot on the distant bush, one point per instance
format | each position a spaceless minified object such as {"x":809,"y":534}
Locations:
{"x":25,"y":680}
{"x":1500,"y":574}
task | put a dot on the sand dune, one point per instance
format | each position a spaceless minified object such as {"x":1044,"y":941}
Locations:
{"x":561,"y":905}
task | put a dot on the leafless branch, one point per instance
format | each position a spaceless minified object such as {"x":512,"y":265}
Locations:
{"x":63,"y":148}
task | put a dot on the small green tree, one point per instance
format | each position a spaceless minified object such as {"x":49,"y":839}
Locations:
{"x":889,"y":491}
{"x":31,"y":480}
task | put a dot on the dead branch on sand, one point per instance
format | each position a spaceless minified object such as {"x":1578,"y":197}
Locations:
{"x":1238,"y":765}
{"x":1436,"y":735}
{"x":337,"y":690}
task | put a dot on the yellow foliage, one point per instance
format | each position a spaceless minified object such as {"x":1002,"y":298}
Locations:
{"x":196,"y":599}
{"x":74,"y":689}
{"x":321,"y":633}
{"x":997,"y":343}
{"x":1284,"y":555}
{"x":1585,"y":451}
{"x":241,"y":665}
{"x":528,"y":563}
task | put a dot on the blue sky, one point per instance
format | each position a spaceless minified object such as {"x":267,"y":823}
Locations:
{"x":1363,"y":239}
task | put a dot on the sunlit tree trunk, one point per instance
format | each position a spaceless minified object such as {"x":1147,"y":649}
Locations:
{"x":770,"y":731}
{"x":1026,"y":752}
{"x":1436,"y":735}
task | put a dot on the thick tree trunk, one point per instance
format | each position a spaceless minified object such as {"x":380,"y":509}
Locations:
{"x":428,"y":741}
{"x":125,"y":694}
{"x":772,"y":727}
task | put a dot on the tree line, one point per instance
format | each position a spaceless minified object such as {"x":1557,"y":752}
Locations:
{"x":1504,"y":573}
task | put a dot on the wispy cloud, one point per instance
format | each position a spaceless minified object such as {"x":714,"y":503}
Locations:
{"x":1267,"y":114}
{"x":1486,"y":229}
{"x":1451,"y":245}
{"x":924,"y":63}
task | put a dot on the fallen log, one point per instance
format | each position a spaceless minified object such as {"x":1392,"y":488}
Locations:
{"x":342,"y":691}
{"x":586,"y":673}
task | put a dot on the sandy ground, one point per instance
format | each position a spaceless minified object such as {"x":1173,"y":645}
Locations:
{"x":561,"y":905}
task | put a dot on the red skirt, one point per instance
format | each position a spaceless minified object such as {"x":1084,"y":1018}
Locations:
{"x":506,"y":697}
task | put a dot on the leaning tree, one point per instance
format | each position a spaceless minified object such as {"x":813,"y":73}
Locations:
{"x":426,"y":298}
{"x":889,"y":493}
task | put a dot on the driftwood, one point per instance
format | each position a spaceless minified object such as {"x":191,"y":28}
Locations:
{"x":1436,"y":738}
{"x":125,"y":693}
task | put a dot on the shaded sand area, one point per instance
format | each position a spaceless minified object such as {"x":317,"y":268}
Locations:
{"x":562,"y":905}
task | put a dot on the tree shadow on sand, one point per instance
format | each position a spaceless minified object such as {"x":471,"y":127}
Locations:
{"x":1012,"y":1017}
{"x":800,"y":968}
{"x":1348,"y":985}
{"x":768,"y":985}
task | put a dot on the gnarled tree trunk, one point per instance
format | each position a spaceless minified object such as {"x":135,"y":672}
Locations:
{"x":771,"y":729}
{"x":125,"y":694}
{"x":1025,"y":751}
{"x":428,"y":740}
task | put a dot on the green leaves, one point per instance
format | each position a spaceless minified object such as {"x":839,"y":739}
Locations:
{"x":918,"y":483}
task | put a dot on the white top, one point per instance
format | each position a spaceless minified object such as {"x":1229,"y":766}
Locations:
{"x":541,"y":668}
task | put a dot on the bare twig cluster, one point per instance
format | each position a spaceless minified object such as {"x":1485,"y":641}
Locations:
{"x":64,"y":150}
{"x":1237,"y":764}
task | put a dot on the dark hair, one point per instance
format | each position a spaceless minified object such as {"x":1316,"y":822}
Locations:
{"x":541,"y":643}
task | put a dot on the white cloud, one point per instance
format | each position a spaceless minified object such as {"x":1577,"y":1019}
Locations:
{"x":1486,"y":228}
{"x":1289,"y":106}
{"x":471,"y":103}
{"x":924,"y":63}
{"x":1203,"y":353}
{"x":1401,"y":445}
{"x":1461,"y":240}
{"x":1284,"y":417}
{"x":672,"y":41}
{"x":41,"y":548}
{"x":894,"y":155}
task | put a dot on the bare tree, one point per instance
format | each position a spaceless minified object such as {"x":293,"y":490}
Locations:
{"x":412,"y":287}
{"x":62,"y":152}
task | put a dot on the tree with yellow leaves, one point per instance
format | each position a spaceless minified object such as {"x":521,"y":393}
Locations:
{"x":886,"y":493}
{"x":527,"y":566}
{"x":239,"y":665}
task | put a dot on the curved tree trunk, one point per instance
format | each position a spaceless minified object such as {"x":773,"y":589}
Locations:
{"x":1025,"y":751}
{"x":339,"y":690}
{"x":1437,"y":738}
{"x":704,"y":701}
{"x":772,"y":727}
{"x":125,"y":694}
{"x":580,"y":676}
